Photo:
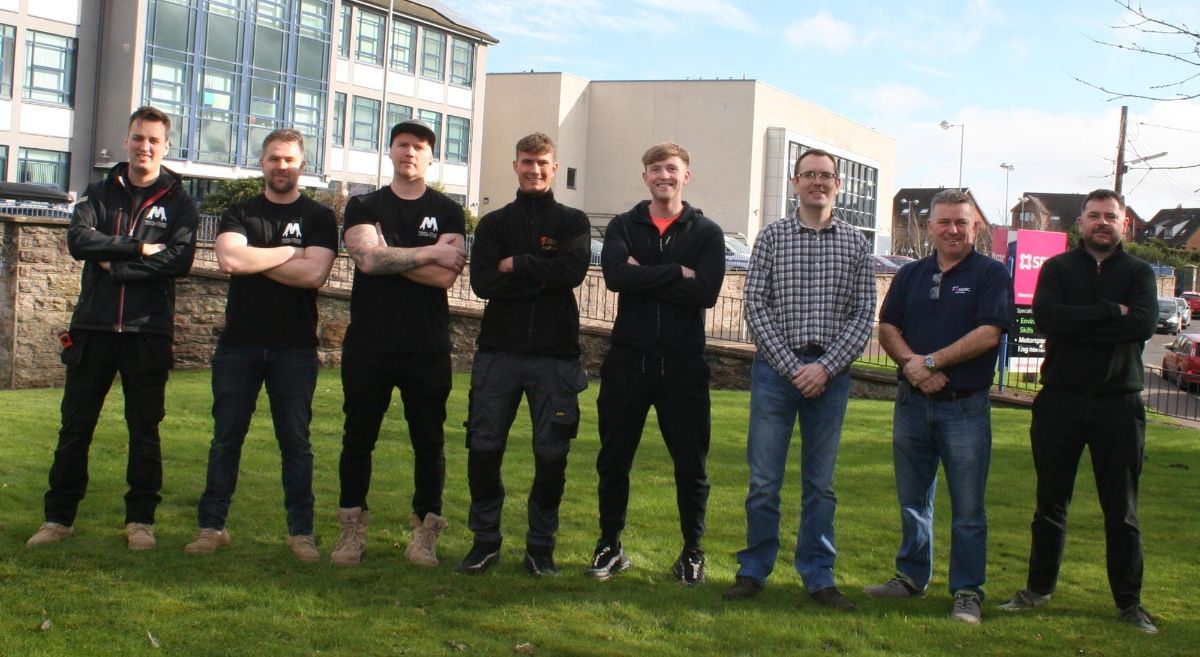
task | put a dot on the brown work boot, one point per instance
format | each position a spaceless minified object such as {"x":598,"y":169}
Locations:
{"x":353,"y":539}
{"x":139,"y":536}
{"x":304,"y":547}
{"x":207,"y":541}
{"x":49,"y":532}
{"x":423,"y":548}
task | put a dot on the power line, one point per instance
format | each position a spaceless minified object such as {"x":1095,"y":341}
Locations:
{"x":1167,"y":127}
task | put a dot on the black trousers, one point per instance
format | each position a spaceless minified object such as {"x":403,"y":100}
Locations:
{"x":677,"y":388}
{"x":1114,"y":430}
{"x":367,"y":383}
{"x":95,"y":359}
{"x":552,"y":387}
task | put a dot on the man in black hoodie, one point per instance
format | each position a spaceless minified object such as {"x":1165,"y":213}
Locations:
{"x":666,"y":261}
{"x":1097,"y":306}
{"x":526,"y":261}
{"x":136,"y":232}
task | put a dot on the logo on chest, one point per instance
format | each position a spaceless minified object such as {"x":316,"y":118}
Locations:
{"x":292,"y":235}
{"x":156,"y":217}
{"x":548,"y":244}
{"x":428,"y":228}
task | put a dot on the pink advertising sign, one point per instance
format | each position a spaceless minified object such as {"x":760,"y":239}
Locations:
{"x":1033,"y":248}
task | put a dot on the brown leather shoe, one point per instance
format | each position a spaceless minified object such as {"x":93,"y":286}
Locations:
{"x":743,"y":588}
{"x":830,"y":596}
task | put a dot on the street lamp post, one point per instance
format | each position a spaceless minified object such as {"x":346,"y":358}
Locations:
{"x":1008,"y":168}
{"x":962,"y":135}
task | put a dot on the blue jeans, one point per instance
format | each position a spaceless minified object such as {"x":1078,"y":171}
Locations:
{"x":958,"y":433}
{"x":238,"y":373}
{"x":774,"y":404}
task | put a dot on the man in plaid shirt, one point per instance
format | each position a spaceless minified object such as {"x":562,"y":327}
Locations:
{"x":810,"y":304}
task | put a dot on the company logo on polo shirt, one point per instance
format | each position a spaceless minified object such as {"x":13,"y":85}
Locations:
{"x":960,"y":289}
{"x":291,"y":234}
{"x":156,"y":217}
{"x":428,"y":227}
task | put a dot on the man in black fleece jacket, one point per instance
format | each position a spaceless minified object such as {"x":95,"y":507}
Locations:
{"x":666,"y":260}
{"x":526,"y":261}
{"x":1097,"y":306}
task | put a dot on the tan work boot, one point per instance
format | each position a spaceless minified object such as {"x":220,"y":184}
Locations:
{"x":49,"y":532}
{"x":207,"y":541}
{"x":139,"y":536}
{"x":353,"y":540}
{"x":422,"y":550}
{"x":304,"y":547}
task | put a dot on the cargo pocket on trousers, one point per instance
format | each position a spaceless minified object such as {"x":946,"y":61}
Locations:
{"x":564,"y":403}
{"x":478,"y":436}
{"x":73,"y":343}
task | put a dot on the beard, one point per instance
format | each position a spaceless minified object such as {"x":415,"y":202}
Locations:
{"x":1108,"y":246}
{"x":282,"y":185}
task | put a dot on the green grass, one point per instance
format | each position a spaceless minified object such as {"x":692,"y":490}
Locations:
{"x":89,"y":596}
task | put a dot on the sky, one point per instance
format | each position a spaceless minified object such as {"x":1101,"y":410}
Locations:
{"x":1014,"y":74}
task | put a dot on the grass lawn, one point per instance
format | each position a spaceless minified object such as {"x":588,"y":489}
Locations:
{"x":90,"y":596}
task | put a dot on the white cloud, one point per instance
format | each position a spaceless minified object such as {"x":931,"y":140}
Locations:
{"x":717,"y":12}
{"x":821,"y":32}
{"x":893,"y":98}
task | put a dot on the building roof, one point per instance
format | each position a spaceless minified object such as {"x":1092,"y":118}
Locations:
{"x":1064,"y":207}
{"x":923,"y":196}
{"x":436,"y":13}
{"x":1174,"y":226}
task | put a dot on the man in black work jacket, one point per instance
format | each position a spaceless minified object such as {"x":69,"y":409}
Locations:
{"x":526,"y":260}
{"x":666,"y":261}
{"x":136,"y":232}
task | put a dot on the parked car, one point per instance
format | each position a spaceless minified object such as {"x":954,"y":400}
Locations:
{"x":737,"y":253}
{"x":1185,"y":312}
{"x":1181,"y":361}
{"x":890,"y":264}
{"x":1168,"y":315}
{"x":1193,"y":300}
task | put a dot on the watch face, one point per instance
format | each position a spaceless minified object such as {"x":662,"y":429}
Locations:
{"x":929,"y":362}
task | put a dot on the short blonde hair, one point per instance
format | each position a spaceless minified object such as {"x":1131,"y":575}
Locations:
{"x":660,"y":152}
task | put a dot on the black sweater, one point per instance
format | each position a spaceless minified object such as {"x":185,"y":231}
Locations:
{"x":1090,"y":346}
{"x":532,"y":309}
{"x":659,"y":311}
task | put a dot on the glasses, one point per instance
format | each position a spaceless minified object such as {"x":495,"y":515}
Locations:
{"x":814,"y":175}
{"x":935,"y":292}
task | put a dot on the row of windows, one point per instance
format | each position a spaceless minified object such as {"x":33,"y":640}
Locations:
{"x":368,"y":45}
{"x":856,"y":201}
{"x":35,"y":165}
{"x":49,"y":66}
{"x":367,"y":133}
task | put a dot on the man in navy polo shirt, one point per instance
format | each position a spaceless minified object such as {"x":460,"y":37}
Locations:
{"x":941,"y":321}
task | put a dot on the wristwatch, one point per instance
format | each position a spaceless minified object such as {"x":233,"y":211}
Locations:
{"x":929,"y":364}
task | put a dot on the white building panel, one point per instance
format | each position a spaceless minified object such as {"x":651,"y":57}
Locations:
{"x":460,"y":97}
{"x":63,"y":11}
{"x":6,"y":114}
{"x":370,"y":77}
{"x":48,"y":121}
{"x":341,"y":71}
{"x":402,"y":84}
{"x":455,"y":174}
{"x":431,"y":90}
{"x":364,"y":162}
{"x":10,"y":5}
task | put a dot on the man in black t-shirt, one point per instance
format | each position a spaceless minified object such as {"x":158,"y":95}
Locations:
{"x":406,"y":241}
{"x":277,"y":248}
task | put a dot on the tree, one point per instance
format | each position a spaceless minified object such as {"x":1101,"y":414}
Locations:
{"x":472,"y":220}
{"x":233,"y":191}
{"x":1172,"y":41}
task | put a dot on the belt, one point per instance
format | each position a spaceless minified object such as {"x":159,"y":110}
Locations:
{"x":810,"y":349}
{"x":945,"y":394}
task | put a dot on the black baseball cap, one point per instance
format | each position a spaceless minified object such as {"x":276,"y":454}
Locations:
{"x":414,"y":127}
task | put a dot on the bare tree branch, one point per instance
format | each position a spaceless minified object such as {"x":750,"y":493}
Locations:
{"x":1142,"y":23}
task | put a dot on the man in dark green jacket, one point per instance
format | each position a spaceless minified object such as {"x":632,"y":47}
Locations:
{"x":1097,"y":306}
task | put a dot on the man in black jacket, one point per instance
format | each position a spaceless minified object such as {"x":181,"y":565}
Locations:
{"x":526,"y":261}
{"x":666,"y":261}
{"x":136,"y":232}
{"x":1097,"y":306}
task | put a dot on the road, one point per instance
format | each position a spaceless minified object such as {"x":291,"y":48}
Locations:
{"x":1162,"y":395}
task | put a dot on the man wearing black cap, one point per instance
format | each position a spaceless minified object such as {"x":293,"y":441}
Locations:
{"x":406,"y":241}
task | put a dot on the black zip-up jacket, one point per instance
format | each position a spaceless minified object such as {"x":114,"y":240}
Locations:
{"x":137,"y":294}
{"x":658,"y":310}
{"x":1090,"y":346}
{"x":532,"y":309}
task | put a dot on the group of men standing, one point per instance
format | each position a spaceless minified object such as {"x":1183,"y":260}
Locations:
{"x":809,"y":304}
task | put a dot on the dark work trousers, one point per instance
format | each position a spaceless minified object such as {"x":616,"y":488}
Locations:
{"x":238,"y":373}
{"x":367,"y":383}
{"x":551,"y":386}
{"x":97,"y":356}
{"x":1114,"y":429}
{"x":677,"y":386}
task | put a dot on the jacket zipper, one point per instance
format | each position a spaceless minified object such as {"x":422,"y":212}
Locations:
{"x":133,"y":219}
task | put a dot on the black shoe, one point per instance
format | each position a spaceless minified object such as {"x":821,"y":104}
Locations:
{"x":608,"y":561}
{"x":689,"y":567}
{"x":481,"y":557}
{"x":1137,"y":617}
{"x":540,"y":564}
{"x":743,"y":588}
{"x":830,"y":596}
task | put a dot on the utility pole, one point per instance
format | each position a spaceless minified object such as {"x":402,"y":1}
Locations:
{"x":1121,"y":151}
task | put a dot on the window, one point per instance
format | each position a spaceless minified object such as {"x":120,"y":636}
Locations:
{"x":434,"y":119}
{"x":462,"y":62}
{"x":370,"y":38}
{"x":49,"y":67}
{"x":364,"y":126}
{"x":339,"y":119}
{"x":3,"y":162}
{"x":856,"y":202}
{"x":570,"y":178}
{"x":404,"y":44}
{"x":458,"y":138}
{"x":344,"y":33}
{"x":35,"y":165}
{"x":433,"y":55}
{"x":395,"y":114}
{"x":8,"y":40}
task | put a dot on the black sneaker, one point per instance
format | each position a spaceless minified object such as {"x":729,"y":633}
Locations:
{"x":1139,"y":619}
{"x":689,"y":567}
{"x":608,"y":561}
{"x":540,"y":564}
{"x":481,"y":557}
